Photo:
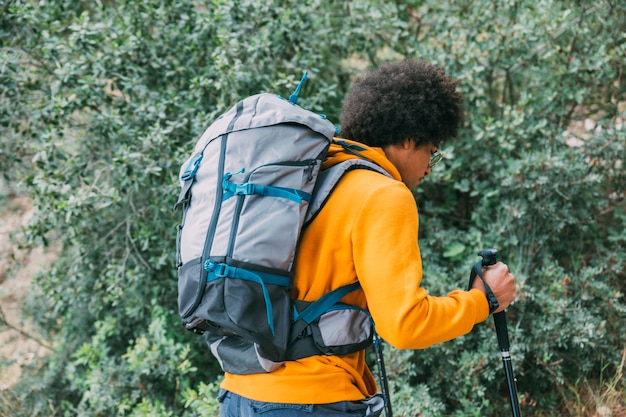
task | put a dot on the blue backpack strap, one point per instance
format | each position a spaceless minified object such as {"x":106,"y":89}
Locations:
{"x":319,"y":307}
{"x":248,"y":188}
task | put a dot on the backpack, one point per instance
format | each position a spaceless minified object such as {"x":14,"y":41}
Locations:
{"x":251,"y":185}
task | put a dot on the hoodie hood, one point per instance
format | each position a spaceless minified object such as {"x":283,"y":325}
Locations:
{"x":343,"y":149}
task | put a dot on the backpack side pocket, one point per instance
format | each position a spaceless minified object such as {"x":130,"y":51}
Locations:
{"x":191,"y":287}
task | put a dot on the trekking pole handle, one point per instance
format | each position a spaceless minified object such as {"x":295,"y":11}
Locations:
{"x":490,"y":257}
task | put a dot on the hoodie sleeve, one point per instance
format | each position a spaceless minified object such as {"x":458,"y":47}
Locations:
{"x":388,"y":263}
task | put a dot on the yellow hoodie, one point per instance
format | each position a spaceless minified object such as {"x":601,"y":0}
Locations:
{"x":367,"y":231}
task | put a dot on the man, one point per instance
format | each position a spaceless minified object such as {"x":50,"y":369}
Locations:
{"x":397,"y":117}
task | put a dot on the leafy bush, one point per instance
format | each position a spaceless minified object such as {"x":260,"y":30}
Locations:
{"x":102,"y":102}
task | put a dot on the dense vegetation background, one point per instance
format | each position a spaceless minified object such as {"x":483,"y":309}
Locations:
{"x":100,"y":102}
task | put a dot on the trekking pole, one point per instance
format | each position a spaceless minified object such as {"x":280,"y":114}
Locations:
{"x":382,"y":374}
{"x":490,"y":257}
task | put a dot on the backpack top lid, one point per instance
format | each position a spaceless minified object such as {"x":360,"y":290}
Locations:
{"x":263,"y":110}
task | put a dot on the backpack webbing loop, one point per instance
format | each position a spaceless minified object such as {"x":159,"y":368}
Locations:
{"x":293,"y":99}
{"x":187,"y":178}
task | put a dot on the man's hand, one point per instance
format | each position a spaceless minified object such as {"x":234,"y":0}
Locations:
{"x":501,"y":282}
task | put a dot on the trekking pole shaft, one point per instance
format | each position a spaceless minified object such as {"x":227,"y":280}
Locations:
{"x":490,"y":258}
{"x":503,"y":341}
{"x":382,"y":375}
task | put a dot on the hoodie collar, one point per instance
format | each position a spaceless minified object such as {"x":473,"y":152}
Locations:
{"x":343,"y":149}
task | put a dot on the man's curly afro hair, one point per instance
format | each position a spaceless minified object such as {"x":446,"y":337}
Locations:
{"x":399,"y":100}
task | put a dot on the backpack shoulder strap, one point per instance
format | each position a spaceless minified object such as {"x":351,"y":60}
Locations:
{"x":328,"y":179}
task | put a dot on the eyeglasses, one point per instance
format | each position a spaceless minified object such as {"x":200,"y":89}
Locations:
{"x":435,"y":158}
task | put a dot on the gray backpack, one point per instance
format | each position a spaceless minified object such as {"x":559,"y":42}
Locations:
{"x":252,"y":183}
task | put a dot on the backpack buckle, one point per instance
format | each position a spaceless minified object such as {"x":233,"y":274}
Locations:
{"x":221,"y":270}
{"x":192,"y":168}
{"x":245,"y":189}
{"x":197,"y":325}
{"x":218,"y":270}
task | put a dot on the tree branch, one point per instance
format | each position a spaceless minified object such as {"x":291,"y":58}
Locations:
{"x":3,"y":321}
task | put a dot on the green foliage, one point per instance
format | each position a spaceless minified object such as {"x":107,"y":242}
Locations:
{"x":100,"y":103}
{"x":203,"y":401}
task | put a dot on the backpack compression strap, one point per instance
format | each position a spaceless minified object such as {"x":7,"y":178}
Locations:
{"x":248,"y":188}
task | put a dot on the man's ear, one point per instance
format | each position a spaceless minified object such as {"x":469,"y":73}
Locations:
{"x":408,"y":144}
